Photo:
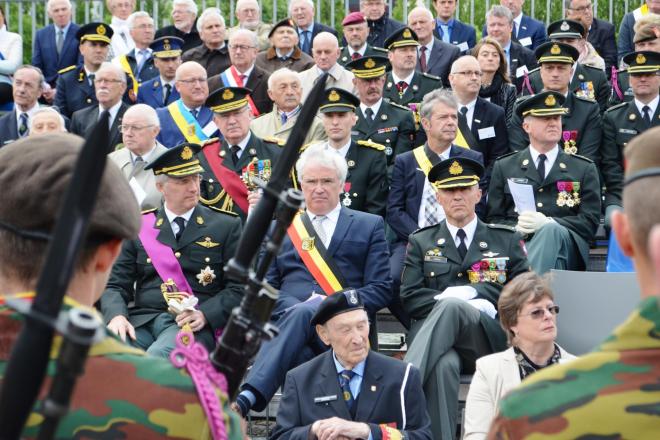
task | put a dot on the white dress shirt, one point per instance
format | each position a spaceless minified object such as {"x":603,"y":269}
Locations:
{"x":469,"y":229}
{"x":242,"y":144}
{"x":470,"y":112}
{"x":374,"y":108}
{"x":408,"y":79}
{"x":551,"y":157}
{"x":113,"y":112}
{"x":329,"y":224}
{"x":171,"y":216}
{"x":653,"y":105}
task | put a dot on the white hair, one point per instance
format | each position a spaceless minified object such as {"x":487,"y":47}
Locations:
{"x":309,"y":2}
{"x":423,"y":9}
{"x":209,"y":12}
{"x":245,"y":32}
{"x":113,"y":68}
{"x":49,"y":110}
{"x":192,"y":6}
{"x":433,"y":97}
{"x":145,"y":110}
{"x":68,"y":2}
{"x":500,"y":11}
{"x":241,"y":3}
{"x":130,"y":21}
{"x":320,"y":154}
{"x":281,"y":73}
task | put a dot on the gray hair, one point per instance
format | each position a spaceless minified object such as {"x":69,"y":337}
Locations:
{"x":68,"y":2}
{"x":240,"y":3}
{"x":246,"y":32}
{"x":209,"y":12}
{"x":145,"y":110}
{"x":423,"y":9}
{"x":49,"y":110}
{"x":309,"y":2}
{"x":42,"y":79}
{"x":321,"y":154}
{"x":281,"y":73}
{"x":114,"y":68}
{"x":130,"y":21}
{"x":192,"y":6}
{"x":500,"y":12}
{"x":443,"y":96}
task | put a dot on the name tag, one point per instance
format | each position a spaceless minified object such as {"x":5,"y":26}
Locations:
{"x":463,"y":46}
{"x":324,"y":399}
{"x":626,"y":131}
{"x":486,"y":133}
{"x":519,"y":180}
{"x":434,"y":259}
{"x":527,"y":41}
{"x":521,"y":71}
{"x":210,"y":128}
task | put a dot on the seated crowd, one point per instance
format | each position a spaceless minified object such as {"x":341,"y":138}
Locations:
{"x":442,"y":178}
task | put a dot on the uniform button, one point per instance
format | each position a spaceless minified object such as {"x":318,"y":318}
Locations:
{"x":148,"y":260}
{"x":177,"y":254}
{"x":432,"y":274}
{"x":540,"y":190}
{"x":539,"y":204}
{"x":387,"y":140}
{"x":210,"y":180}
{"x":207,"y":259}
{"x":460,"y":274}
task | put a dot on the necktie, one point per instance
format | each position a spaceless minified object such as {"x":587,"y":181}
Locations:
{"x":194,"y":112}
{"x":305,"y":42}
{"x":422,"y":58}
{"x":401,"y":86}
{"x":369,"y":115}
{"x":234,"y":153}
{"x":541,"y":167}
{"x":318,"y":227}
{"x":242,"y":78}
{"x":514,"y":31}
{"x":344,"y":382}
{"x":138,"y":166}
{"x":144,"y":54}
{"x":284,"y":118}
{"x":181,"y":223}
{"x":123,"y":37}
{"x":462,"y":247}
{"x":430,"y":208}
{"x":23,"y":125}
{"x":464,"y":110}
{"x":356,"y":55}
{"x":59,"y":42}
{"x":647,"y":115}
{"x":91,"y":79}
{"x":445,"y":33}
{"x":168,"y":92}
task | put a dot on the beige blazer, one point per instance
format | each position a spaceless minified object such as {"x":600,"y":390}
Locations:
{"x":270,"y":125}
{"x":145,"y":178}
{"x":339,"y":77}
{"x":495,"y":375}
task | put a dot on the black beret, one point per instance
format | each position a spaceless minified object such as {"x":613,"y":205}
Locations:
{"x":340,"y":302}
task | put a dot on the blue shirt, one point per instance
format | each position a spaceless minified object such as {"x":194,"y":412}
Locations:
{"x":444,"y":29}
{"x":65,"y":29}
{"x":507,"y":53}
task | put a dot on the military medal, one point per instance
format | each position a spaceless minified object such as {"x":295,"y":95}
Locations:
{"x":570,"y":141}
{"x":347,"y":196}
{"x":257,"y":168}
{"x":206,"y":276}
{"x":569,"y":194}
{"x":388,"y":151}
{"x":586,"y":90}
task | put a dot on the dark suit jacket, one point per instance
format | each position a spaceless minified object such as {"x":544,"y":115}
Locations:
{"x":626,"y":34}
{"x":44,"y":51}
{"x":151,"y":93}
{"x":380,"y":29}
{"x":407,"y":188}
{"x":529,"y":28}
{"x":170,"y":135}
{"x":459,"y":32}
{"x":84,"y":121}
{"x":442,"y":57}
{"x":360,"y":252}
{"x":214,"y":61}
{"x":520,"y":56}
{"x":317,"y":28}
{"x":378,"y":403}
{"x":601,"y":37}
{"x":190,"y":40}
{"x":257,"y":82}
{"x":8,"y":128}
{"x":487,"y":115}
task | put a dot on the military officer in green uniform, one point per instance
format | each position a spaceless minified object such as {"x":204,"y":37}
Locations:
{"x":611,"y":392}
{"x":229,"y":164}
{"x":562,"y":218}
{"x":378,"y":120}
{"x":624,"y":121}
{"x":581,"y":123}
{"x":366,"y":184}
{"x":587,"y":81}
{"x":403,"y":84}
{"x":452,"y":278}
{"x":179,"y":255}
{"x":356,"y":32}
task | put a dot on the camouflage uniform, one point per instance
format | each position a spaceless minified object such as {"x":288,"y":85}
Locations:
{"x":105,"y":403}
{"x":620,"y":377}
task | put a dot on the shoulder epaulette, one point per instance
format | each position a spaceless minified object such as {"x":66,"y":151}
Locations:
{"x":617,"y":106}
{"x":222,"y":210}
{"x":66,"y":69}
{"x":210,"y":141}
{"x":372,"y":144}
{"x":536,"y":69}
{"x":585,"y":158}
{"x":500,"y":226}
{"x":379,"y":49}
{"x":592,"y":67}
{"x":394,"y":104}
{"x":147,"y":211}
{"x":511,"y":153}
{"x":423,"y":229}
{"x":274,"y":140}
{"x":428,"y":75}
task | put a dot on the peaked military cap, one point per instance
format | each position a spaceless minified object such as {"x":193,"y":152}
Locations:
{"x":565,"y":29}
{"x":642,"y":156}
{"x":227,"y":99}
{"x":368,"y":66}
{"x":401,"y":38}
{"x":353,"y":18}
{"x":338,"y":100}
{"x":546,"y":103}
{"x":179,"y":161}
{"x":286,"y":22}
{"x":340,"y":302}
{"x":95,"y":32}
{"x":167,"y":47}
{"x":643,"y":61}
{"x":556,"y":52}
{"x":456,"y":172}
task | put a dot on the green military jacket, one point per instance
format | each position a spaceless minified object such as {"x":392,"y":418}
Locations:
{"x":123,"y":393}
{"x":587,"y":82}
{"x":495,"y":256}
{"x":420,"y":85}
{"x":393,"y":127}
{"x":570,"y":193}
{"x":611,"y":392}
{"x":208,"y":242}
{"x":345,"y":56}
{"x":621,"y":123}
{"x":581,"y":128}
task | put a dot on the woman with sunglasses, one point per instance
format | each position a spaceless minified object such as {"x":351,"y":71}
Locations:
{"x":528,"y":316}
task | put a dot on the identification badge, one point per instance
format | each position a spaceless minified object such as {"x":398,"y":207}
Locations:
{"x":527,"y":41}
{"x":324,"y":399}
{"x":627,"y":131}
{"x":521,"y":71}
{"x":433,"y":259}
{"x":486,"y":133}
{"x":463,"y":46}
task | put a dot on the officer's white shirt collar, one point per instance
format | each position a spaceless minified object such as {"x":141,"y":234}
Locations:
{"x":343,"y":151}
{"x":242,"y":144}
{"x":551,"y":157}
{"x":374,"y":108}
{"x":171,"y":216}
{"x":163,"y":81}
{"x":146,"y":157}
{"x":190,"y":109}
{"x":112,"y":110}
{"x":429,"y":48}
{"x":361,"y":50}
{"x":469,"y":229}
{"x":653,"y":105}
{"x":408,"y":79}
{"x":470,"y":111}
{"x":329,"y":224}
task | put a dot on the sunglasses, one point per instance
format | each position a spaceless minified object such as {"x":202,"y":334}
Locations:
{"x":540,"y":313}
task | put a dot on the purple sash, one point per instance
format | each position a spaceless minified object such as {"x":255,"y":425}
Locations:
{"x":162,"y":257}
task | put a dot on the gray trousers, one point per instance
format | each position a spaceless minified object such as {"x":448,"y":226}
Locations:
{"x":158,"y":336}
{"x":552,"y":247}
{"x":450,"y":337}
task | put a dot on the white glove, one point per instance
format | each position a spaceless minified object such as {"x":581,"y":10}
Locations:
{"x":530,"y":221}
{"x":461,"y":292}
{"x":483,"y":305}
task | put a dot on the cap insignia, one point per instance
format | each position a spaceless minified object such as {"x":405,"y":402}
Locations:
{"x":333,"y":96}
{"x":550,"y":101}
{"x":167,"y":45}
{"x":555,"y":50}
{"x":564,"y":26}
{"x":100,"y":29}
{"x":407,"y":34}
{"x":370,"y":63}
{"x":186,"y":153}
{"x":227,"y":95}
{"x":641,"y":59}
{"x":455,"y":169}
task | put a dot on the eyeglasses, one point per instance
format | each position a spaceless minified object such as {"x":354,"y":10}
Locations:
{"x":192,"y":81}
{"x":540,"y":313}
{"x":240,"y":47}
{"x":126,"y":128}
{"x":469,"y":73}
{"x":107,"y":81}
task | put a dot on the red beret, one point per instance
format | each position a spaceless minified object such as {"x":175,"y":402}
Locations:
{"x":353,"y":18}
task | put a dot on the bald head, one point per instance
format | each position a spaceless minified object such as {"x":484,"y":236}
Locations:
{"x":325,"y":50}
{"x":465,"y":79}
{"x":191,"y":84}
{"x":421,"y":20}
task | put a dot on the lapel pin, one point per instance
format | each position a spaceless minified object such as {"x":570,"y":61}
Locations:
{"x":477,"y":121}
{"x":632,"y":117}
{"x":415,"y":88}
{"x":383,"y":117}
{"x":562,"y":165}
{"x":253,"y":151}
{"x":441,"y":241}
{"x":351,"y":163}
{"x":526,"y":162}
{"x":581,"y":77}
{"x":389,"y":85}
{"x":159,"y":222}
{"x":373,"y":387}
{"x":483,"y":244}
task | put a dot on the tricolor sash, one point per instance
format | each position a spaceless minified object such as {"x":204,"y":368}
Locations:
{"x":162,"y":257}
{"x":422,"y":160}
{"x":230,"y":181}
{"x":186,"y":123}
{"x":123,"y":61}
{"x":314,"y":254}
{"x":231,"y":78}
